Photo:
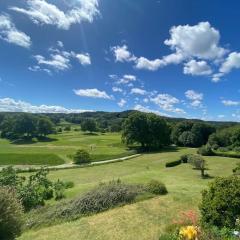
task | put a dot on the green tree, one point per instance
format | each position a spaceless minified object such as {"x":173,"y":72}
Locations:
{"x":187,"y":139}
{"x":81,"y":157}
{"x":198,"y":163}
{"x":146,"y":129}
{"x":45,"y":126}
{"x":11,"y":215}
{"x":89,"y":125}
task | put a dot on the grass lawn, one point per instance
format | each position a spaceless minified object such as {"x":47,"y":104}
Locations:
{"x":144,"y":220}
{"x":30,"y":159}
{"x":61,"y":146}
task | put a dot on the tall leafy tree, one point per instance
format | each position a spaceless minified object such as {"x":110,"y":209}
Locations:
{"x":89,"y":125}
{"x":45,"y":126}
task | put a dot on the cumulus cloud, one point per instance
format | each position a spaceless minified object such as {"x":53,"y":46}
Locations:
{"x":141,"y":108}
{"x":10,"y":34}
{"x":197,"y":68}
{"x":84,"y":59}
{"x":122,"y":102}
{"x":42,"y":12}
{"x":201,"y":41}
{"x":195,"y":98}
{"x":117,"y":89}
{"x":92,"y":93}
{"x":122,"y":54}
{"x":196,"y":46}
{"x":230,"y":103}
{"x":59,"y":59}
{"x":138,"y":91}
{"x":127,"y":78}
{"x":167,"y":103}
{"x":230,"y":63}
{"x":11,"y":105}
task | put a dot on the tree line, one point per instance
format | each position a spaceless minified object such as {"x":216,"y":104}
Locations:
{"x":26,"y":126}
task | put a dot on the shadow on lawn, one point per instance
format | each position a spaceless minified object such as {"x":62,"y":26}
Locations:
{"x":91,"y":134}
{"x":150,"y":151}
{"x":24,"y":141}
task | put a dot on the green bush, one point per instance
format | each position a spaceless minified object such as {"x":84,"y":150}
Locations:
{"x":184,"y":158}
{"x":156,"y":187}
{"x":105,"y":196}
{"x":227,"y":154}
{"x":221,"y":202}
{"x":205,"y":150}
{"x":68,"y":184}
{"x":81,"y":156}
{"x":173,"y":163}
{"x":11,"y":215}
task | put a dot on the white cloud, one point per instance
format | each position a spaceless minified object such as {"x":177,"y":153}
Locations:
{"x":231,"y":62}
{"x":230,"y":103}
{"x":152,"y":65}
{"x":39,"y":69}
{"x":116,"y":89}
{"x":59,"y":59}
{"x":195,"y":97}
{"x":197,"y":68}
{"x":141,"y":108}
{"x":56,"y":61}
{"x":221,"y":116}
{"x":42,"y":12}
{"x":127,"y":78}
{"x":60,"y":44}
{"x":122,"y":54}
{"x":84,"y":59}
{"x":11,"y":105}
{"x":93,"y":93}
{"x":9,"y":33}
{"x":121,"y":103}
{"x":201,"y":41}
{"x":138,"y":91}
{"x":167,"y":103}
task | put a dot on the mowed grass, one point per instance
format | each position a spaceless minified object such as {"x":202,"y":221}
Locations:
{"x":62,"y":146}
{"x":144,"y":220}
{"x":30,"y":159}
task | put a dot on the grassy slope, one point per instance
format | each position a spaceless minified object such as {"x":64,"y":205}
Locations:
{"x":104,"y":146}
{"x":142,"y":220}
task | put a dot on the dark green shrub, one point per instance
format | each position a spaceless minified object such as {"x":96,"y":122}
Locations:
{"x":156,"y":187}
{"x":221,"y":202}
{"x":205,"y":150}
{"x":173,"y":163}
{"x":184,"y":158}
{"x":68,"y":184}
{"x":67,"y":128}
{"x":81,"y":156}
{"x":11,"y":215}
{"x":59,"y":190}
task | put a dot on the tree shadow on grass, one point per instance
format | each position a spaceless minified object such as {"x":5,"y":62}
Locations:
{"x":28,"y":141}
{"x":91,"y":134}
{"x":168,"y":149}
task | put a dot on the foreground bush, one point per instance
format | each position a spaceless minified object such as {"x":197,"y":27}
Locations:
{"x":156,"y":187}
{"x":81,"y":157}
{"x":221,"y":202}
{"x":11,"y":215}
{"x":34,"y":190}
{"x":101,"y":198}
{"x":105,"y":196}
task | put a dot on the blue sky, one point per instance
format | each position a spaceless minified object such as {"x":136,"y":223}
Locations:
{"x":178,"y":58}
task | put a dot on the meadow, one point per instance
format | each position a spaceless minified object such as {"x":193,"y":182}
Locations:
{"x":145,"y":219}
{"x":58,"y":148}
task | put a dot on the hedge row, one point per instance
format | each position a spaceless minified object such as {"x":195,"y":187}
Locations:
{"x":173,"y":163}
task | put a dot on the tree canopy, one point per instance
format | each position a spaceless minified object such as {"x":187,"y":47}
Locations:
{"x":147,"y":129}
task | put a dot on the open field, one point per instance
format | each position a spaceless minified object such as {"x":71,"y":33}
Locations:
{"x":60,"y":146}
{"x":143,"y":220}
